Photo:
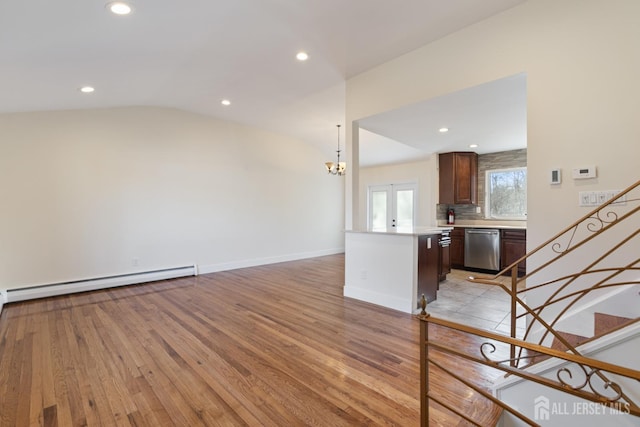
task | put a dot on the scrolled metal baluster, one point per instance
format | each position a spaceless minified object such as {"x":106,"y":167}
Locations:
{"x":492,"y":350}
{"x":608,"y":214}
{"x":568,"y":371}
{"x":606,"y":385}
{"x":595,"y":224}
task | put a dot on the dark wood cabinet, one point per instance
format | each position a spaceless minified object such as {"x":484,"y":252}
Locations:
{"x":444,"y":266}
{"x":458,"y":178}
{"x":428,"y":260}
{"x":456,"y":250}
{"x":513,"y":246}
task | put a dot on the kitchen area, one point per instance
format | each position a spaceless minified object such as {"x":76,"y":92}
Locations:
{"x":479,"y":243}
{"x":394,"y":267}
{"x":464,"y":156}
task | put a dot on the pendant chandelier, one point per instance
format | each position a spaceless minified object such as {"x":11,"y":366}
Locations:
{"x":338,"y":168}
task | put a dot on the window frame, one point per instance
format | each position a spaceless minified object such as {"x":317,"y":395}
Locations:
{"x":487,"y":196}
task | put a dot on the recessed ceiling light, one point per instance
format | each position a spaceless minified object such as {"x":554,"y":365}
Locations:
{"x":443,"y":130}
{"x":225,"y":102}
{"x":302,"y":56}
{"x":87,"y":89}
{"x":119,"y":8}
{"x":473,"y":145}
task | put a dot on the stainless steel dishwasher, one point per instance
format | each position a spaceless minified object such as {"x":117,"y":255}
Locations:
{"x":482,"y":248}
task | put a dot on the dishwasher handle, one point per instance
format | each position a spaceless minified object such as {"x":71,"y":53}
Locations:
{"x":474,"y":231}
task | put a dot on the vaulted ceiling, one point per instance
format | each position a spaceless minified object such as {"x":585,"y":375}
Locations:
{"x":190,"y":55}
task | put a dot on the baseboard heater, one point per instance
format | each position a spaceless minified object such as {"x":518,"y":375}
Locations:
{"x":53,"y":289}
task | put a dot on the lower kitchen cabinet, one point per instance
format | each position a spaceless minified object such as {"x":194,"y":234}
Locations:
{"x":513,"y":246}
{"x":457,"y":248}
{"x":428,"y":262}
{"x":444,"y":266}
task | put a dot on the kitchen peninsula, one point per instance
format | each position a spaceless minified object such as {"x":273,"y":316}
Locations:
{"x":393,"y":267}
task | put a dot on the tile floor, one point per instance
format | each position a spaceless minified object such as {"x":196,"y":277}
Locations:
{"x":474,"y":304}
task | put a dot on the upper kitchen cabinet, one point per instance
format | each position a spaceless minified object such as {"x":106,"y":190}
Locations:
{"x":459,"y":178}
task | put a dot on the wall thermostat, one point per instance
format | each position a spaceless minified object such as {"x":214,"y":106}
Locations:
{"x":584,"y":172}
{"x":555,"y":177}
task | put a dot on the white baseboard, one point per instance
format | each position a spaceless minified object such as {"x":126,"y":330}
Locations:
{"x":233,"y":265}
{"x":43,"y":291}
{"x":48,"y":290}
{"x":385,"y":300}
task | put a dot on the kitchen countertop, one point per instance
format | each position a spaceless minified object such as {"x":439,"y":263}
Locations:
{"x":415,"y":231}
{"x":499,"y":225}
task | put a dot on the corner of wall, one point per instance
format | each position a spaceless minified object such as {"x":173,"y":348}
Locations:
{"x":3,"y":298}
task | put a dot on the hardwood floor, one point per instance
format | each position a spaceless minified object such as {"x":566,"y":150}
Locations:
{"x":276,"y":345}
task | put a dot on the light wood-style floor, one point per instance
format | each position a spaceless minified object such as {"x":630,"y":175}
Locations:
{"x":276,"y":345}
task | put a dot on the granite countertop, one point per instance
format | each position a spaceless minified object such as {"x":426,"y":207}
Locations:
{"x":414,"y":231}
{"x":512,"y":225}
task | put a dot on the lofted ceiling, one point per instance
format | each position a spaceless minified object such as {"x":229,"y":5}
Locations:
{"x":191,"y":55}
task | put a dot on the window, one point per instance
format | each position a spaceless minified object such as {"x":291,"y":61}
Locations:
{"x":506,"y":194}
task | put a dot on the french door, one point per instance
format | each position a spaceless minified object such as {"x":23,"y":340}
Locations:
{"x":392,"y":206}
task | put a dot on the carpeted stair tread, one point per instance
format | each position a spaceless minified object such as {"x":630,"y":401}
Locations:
{"x":573,"y":339}
{"x":605,"y":323}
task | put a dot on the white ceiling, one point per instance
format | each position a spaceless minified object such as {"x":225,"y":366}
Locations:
{"x":492,"y":115}
{"x":192,"y":54}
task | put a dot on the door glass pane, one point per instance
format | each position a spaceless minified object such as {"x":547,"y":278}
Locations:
{"x":379,"y":210}
{"x":404,"y":209}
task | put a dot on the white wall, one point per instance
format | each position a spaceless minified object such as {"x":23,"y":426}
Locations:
{"x":582,"y":63}
{"x":423,"y":173}
{"x":87,"y":193}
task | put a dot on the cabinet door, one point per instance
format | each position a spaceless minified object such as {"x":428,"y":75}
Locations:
{"x":458,"y":178}
{"x":444,"y":267}
{"x":428,"y":259}
{"x":466,"y":181}
{"x":457,"y":248}
{"x":513,"y":247}
{"x":447,"y":178}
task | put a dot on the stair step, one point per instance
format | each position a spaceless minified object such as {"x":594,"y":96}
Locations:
{"x":606,"y":322}
{"x":573,"y":339}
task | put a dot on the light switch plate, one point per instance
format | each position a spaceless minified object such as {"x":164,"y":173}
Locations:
{"x":596,"y":198}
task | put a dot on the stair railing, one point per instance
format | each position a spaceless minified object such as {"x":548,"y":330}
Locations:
{"x":606,"y":393}
{"x":568,"y":270}
{"x":594,"y":275}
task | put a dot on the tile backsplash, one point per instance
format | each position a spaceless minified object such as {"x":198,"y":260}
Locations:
{"x":501,"y":160}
